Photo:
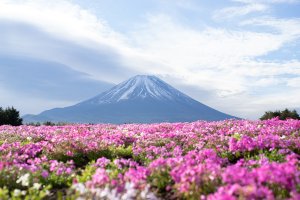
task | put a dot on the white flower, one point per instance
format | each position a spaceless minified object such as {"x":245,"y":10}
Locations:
{"x":113,"y":195}
{"x":105,"y":192}
{"x":147,"y":194}
{"x":37,"y":186}
{"x":80,"y":198}
{"x":151,"y":196}
{"x":29,"y":138}
{"x":24,"y":180}
{"x":130,"y":191}
{"x":79,"y":187}
{"x":17,"y":192}
{"x":47,"y":192}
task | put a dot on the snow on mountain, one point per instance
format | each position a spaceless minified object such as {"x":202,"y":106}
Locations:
{"x":139,"y":87}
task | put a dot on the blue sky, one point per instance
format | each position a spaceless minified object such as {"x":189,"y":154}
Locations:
{"x":241,"y":57}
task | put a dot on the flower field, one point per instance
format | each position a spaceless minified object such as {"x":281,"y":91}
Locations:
{"x":237,"y":159}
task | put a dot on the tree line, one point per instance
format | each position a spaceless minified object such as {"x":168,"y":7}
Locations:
{"x":282,"y":115}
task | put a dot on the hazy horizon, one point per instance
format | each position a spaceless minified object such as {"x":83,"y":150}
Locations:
{"x":241,"y":57}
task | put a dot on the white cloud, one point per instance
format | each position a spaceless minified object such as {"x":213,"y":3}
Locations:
{"x":60,"y":17}
{"x":219,"y":60}
{"x":222,"y":60}
{"x":289,"y":29}
{"x":248,"y":7}
{"x":267,"y":1}
{"x":210,"y":56}
{"x":236,"y":11}
{"x":185,"y":4}
{"x":67,"y":22}
{"x":294,"y":82}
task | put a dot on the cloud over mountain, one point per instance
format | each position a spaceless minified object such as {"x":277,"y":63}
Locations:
{"x":253,"y":42}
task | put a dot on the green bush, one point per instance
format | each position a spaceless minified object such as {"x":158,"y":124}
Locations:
{"x":282,"y":115}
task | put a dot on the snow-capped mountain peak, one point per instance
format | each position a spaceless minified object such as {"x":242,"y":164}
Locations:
{"x":140,"y":99}
{"x":139,"y":87}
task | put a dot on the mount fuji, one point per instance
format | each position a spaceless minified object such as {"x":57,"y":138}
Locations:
{"x":141,"y":99}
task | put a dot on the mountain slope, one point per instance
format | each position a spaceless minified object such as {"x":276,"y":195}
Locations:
{"x":142,"y":88}
{"x":141,"y":99}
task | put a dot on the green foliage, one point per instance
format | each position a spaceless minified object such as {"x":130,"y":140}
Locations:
{"x":283,"y":115}
{"x":4,"y":193}
{"x":87,"y":173}
{"x":33,"y":124}
{"x":160,"y":179}
{"x":122,"y":152}
{"x":161,"y":142}
{"x":59,"y":181}
{"x":232,"y":157}
{"x":32,"y":193}
{"x":273,"y":156}
{"x":204,"y":188}
{"x":82,"y":157}
{"x":141,"y":159}
{"x":279,"y":191}
{"x":90,"y":169}
{"x":9,"y":177}
{"x":10,"y":116}
{"x":48,"y":123}
{"x":237,"y":136}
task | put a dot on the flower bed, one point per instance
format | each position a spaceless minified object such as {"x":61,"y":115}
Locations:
{"x":237,"y":159}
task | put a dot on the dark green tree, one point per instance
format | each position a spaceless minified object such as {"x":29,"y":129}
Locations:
{"x":3,"y":119}
{"x":10,"y":116}
{"x":283,"y":115}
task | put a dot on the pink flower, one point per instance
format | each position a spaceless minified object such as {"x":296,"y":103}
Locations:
{"x":45,"y":174}
{"x":100,"y":178}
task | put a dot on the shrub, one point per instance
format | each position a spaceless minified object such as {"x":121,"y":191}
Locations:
{"x":282,"y":115}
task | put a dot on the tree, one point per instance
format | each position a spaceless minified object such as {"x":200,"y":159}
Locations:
{"x":10,"y":116}
{"x":3,"y":119}
{"x":282,"y":115}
